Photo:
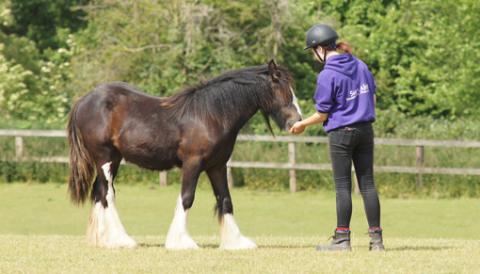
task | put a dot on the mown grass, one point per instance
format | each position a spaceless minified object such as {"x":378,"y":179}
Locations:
{"x":147,"y":209}
{"x":69,"y":254}
{"x":41,"y":232}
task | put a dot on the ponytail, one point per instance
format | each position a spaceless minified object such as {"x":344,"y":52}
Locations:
{"x":345,"y":47}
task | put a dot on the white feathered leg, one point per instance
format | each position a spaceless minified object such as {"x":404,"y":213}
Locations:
{"x":230,"y":235}
{"x":178,"y":237}
{"x":105,"y":228}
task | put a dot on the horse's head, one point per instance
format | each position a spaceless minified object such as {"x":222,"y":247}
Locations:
{"x":282,"y":106}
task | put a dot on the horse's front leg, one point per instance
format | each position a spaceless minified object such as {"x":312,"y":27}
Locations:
{"x":230,"y":235}
{"x":178,"y":237}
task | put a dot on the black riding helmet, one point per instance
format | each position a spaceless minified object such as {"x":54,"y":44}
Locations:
{"x":321,"y":35}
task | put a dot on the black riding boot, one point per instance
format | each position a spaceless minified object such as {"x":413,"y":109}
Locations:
{"x":376,"y":240}
{"x":340,"y":242}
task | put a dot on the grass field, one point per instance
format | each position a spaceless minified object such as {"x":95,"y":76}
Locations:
{"x":40,"y":231}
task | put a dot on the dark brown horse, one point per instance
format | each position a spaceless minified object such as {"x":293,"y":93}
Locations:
{"x":195,"y":130}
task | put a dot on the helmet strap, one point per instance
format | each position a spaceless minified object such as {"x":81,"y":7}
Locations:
{"x":318,"y":56}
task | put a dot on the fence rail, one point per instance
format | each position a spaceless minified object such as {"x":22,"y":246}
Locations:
{"x":292,"y":165}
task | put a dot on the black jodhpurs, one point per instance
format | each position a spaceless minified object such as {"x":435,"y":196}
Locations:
{"x":347,"y":144}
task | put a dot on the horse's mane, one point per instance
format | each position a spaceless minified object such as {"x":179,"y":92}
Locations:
{"x":224,"y":95}
{"x":248,"y":75}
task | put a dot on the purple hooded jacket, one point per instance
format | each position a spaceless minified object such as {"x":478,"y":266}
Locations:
{"x":345,"y":90}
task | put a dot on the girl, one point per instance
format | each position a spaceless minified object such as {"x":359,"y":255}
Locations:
{"x":345,"y":104}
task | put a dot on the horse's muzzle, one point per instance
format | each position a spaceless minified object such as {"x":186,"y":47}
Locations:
{"x":290,"y":123}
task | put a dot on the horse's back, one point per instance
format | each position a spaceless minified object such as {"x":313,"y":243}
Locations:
{"x":110,"y":94}
{"x":117,"y":98}
{"x":120,"y":116}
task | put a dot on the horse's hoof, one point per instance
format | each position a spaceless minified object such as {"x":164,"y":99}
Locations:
{"x":181,"y":243}
{"x":239,"y":243}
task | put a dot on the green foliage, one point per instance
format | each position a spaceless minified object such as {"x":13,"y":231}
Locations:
{"x":34,"y":79}
{"x":32,"y":88}
{"x":45,"y":21}
{"x":163,"y":46}
{"x":423,"y":53}
{"x":13,"y":79}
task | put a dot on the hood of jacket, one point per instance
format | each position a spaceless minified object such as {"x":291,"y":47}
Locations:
{"x":346,"y":64}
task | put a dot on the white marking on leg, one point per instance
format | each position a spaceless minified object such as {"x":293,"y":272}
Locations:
{"x":295,"y":101}
{"x":178,"y":237}
{"x":96,"y":225}
{"x":105,"y":228}
{"x":230,"y":235}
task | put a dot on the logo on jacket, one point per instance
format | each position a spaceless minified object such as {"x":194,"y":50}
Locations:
{"x":352,"y":94}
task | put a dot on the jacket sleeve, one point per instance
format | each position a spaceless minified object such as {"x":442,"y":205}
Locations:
{"x":324,"y":95}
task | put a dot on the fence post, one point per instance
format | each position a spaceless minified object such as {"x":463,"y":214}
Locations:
{"x":420,"y":155}
{"x":163,"y":178}
{"x":229,"y":174}
{"x":18,"y":148}
{"x":292,"y":172}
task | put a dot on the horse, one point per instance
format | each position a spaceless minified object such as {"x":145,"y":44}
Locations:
{"x":194,"y":130}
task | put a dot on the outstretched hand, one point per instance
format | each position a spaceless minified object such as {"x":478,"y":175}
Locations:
{"x":297,"y":128}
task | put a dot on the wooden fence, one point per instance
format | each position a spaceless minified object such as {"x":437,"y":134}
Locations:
{"x":292,"y":165}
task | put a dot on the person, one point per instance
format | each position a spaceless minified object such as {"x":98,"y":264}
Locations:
{"x":345,"y":103}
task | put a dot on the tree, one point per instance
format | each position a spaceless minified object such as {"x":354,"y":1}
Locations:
{"x":46,"y":22}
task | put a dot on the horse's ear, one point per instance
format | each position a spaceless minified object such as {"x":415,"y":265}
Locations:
{"x":272,"y":65}
{"x":273,"y":70}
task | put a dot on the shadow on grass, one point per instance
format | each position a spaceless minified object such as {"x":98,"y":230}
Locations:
{"x":150,"y":245}
{"x":302,"y":246}
{"x":419,"y":248}
{"x":216,"y":246}
{"x":286,"y":246}
{"x":207,"y":246}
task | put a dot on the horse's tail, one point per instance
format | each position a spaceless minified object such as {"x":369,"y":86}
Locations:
{"x":82,"y":167}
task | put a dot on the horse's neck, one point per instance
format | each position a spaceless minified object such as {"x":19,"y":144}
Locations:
{"x":230,"y":111}
{"x":241,"y":120}
{"x":242,"y":113}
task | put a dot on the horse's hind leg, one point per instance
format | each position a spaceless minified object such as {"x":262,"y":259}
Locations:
{"x":230,"y":235}
{"x":105,"y":228}
{"x":178,"y":237}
